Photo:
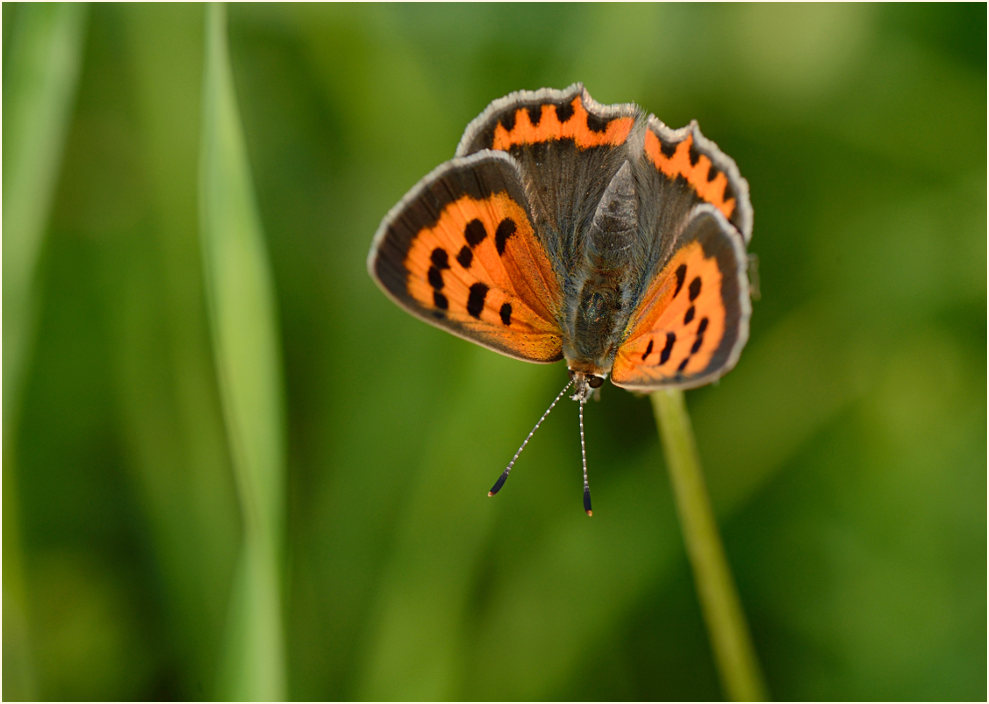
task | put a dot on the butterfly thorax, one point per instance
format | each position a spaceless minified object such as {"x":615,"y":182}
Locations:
{"x":603,"y":281}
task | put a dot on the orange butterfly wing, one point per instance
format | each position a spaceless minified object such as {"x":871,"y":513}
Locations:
{"x":685,"y":159}
{"x":460,"y":252}
{"x":693,"y":319}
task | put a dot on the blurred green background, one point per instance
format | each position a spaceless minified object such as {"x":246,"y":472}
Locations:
{"x":177,"y":401}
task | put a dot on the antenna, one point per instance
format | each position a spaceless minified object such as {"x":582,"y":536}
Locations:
{"x":583,"y":460}
{"x":504,"y":475}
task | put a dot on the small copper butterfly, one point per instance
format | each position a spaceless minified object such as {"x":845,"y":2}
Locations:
{"x":567,"y":229}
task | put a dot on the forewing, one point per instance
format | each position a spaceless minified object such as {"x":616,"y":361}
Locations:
{"x":460,"y":252}
{"x":693,"y":319}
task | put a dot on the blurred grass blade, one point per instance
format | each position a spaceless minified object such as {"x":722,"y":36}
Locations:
{"x":171,"y":419}
{"x":39,"y":85}
{"x":245,"y":341}
{"x":733,"y":652}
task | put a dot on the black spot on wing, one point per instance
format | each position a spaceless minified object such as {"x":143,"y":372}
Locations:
{"x":564,"y":112}
{"x":689,"y":315}
{"x":664,"y":356}
{"x":465,"y":256}
{"x":596,"y":124}
{"x":729,"y":191}
{"x":435,"y":278}
{"x":506,"y":228}
{"x":439,"y":300}
{"x":506,"y":313}
{"x":508,"y":120}
{"x":693,"y":154}
{"x":439,"y":258}
{"x":648,"y":350}
{"x":681,"y":274}
{"x":535,"y":114}
{"x":700,"y":336}
{"x":475,"y":300}
{"x":668,"y":148}
{"x":695,"y":288}
{"x":475,"y":233}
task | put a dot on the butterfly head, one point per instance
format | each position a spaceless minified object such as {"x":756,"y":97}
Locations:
{"x":585,"y":383}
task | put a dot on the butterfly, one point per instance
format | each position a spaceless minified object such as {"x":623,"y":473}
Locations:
{"x":567,"y":229}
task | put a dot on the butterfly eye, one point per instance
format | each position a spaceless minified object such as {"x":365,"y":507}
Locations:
{"x":595,"y":381}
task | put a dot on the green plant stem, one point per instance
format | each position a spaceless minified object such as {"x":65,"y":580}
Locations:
{"x":733,"y":652}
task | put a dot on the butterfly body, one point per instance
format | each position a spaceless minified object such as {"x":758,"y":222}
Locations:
{"x":563,"y":228}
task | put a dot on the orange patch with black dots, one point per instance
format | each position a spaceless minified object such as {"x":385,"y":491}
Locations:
{"x":708,"y":182}
{"x":481,"y":267}
{"x":570,"y":121}
{"x":680,"y":323}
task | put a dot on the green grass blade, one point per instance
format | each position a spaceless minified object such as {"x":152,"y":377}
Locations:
{"x":733,"y":652}
{"x":170,"y":415}
{"x":243,"y":322}
{"x":39,"y":84}
{"x":39,"y":87}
